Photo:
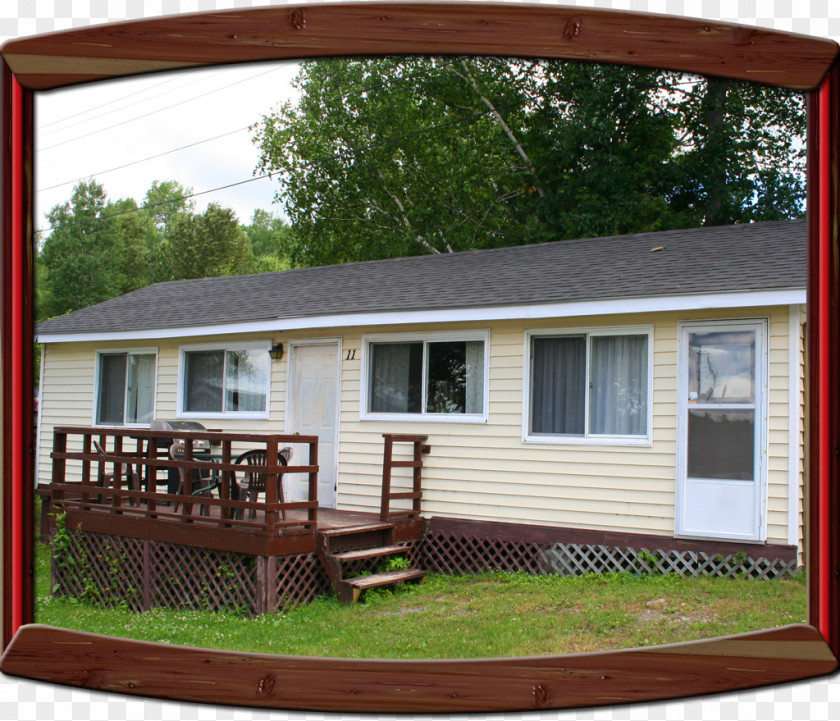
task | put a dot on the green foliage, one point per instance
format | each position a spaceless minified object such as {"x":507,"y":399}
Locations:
{"x":164,"y":203}
{"x":394,"y":563}
{"x":208,"y":245}
{"x":96,"y":251}
{"x":385,"y":157}
{"x":646,"y":561}
{"x":100,"y":249}
{"x":268,"y":236}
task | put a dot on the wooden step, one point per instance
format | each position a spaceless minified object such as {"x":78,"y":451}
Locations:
{"x":350,"y":589}
{"x":354,"y":538}
{"x":368,"y":553}
{"x":350,"y":530}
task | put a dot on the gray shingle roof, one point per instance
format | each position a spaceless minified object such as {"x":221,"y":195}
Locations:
{"x":760,"y":256}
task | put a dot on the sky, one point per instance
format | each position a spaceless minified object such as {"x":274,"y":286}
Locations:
{"x":128,"y":133}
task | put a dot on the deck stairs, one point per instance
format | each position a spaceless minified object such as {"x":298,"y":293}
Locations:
{"x":339,"y":546}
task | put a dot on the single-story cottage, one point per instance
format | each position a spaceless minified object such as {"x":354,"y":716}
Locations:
{"x":621,"y":392}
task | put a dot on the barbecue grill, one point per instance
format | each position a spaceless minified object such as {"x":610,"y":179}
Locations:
{"x":200,"y":447}
{"x":160,"y":424}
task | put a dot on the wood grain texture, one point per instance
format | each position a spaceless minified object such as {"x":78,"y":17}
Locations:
{"x":97,"y":662}
{"x":698,"y":46}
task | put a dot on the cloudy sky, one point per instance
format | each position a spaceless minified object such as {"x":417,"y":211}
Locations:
{"x":187,"y":126}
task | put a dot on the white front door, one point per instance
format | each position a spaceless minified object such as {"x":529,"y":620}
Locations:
{"x":721,"y":466}
{"x":313,"y":411}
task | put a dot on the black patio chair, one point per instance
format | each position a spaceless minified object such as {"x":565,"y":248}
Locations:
{"x":253,"y":482}
{"x":206,"y":482}
{"x":132,"y":478}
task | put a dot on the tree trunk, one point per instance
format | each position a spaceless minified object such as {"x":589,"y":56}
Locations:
{"x":716,"y":151}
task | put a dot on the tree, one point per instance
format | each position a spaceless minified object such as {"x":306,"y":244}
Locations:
{"x":208,"y":244}
{"x":164,"y":203}
{"x":268,"y":236}
{"x":399,"y":156}
{"x":96,"y":251}
{"x":744,"y":153}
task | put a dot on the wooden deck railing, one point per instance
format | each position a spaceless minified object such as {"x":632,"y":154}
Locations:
{"x":388,"y":464}
{"x":107,"y":497}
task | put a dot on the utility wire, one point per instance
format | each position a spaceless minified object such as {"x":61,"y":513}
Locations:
{"x":339,"y":96}
{"x":142,"y":160}
{"x":153,"y":112}
{"x":115,"y":110}
{"x":109,"y":102}
{"x":317,"y":161}
{"x":216,"y":137}
{"x":311,"y":163}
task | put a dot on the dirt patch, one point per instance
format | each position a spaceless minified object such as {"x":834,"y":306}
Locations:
{"x":653,"y":615}
{"x":402,"y":611}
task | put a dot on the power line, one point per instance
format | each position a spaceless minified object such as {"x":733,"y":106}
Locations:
{"x":168,"y":201}
{"x":109,"y":102}
{"x":153,"y":112}
{"x":159,"y":155}
{"x":115,"y":110}
{"x":316,"y":161}
{"x":142,"y":160}
{"x":335,"y":156}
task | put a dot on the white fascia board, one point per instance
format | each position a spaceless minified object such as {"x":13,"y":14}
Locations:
{"x":454,"y":315}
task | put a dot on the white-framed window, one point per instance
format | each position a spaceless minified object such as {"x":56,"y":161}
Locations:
{"x":125,"y":387}
{"x":589,"y":385}
{"x":432,"y":376}
{"x":221,"y":380}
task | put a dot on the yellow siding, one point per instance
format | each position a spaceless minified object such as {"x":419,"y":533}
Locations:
{"x":68,"y":391}
{"x":803,"y":457}
{"x":483,"y":470}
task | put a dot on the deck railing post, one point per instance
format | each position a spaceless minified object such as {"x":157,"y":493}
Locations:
{"x":59,"y":464}
{"x":418,"y":476}
{"x":313,"y":484}
{"x":186,"y":474}
{"x":86,"y":444}
{"x":385,"y":509}
{"x":271,"y":480}
{"x":117,"y":468}
{"x":226,"y":511}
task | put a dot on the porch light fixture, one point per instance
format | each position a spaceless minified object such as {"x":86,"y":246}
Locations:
{"x":276,"y":351}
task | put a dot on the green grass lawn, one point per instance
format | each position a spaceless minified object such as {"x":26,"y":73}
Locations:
{"x":487,"y":615}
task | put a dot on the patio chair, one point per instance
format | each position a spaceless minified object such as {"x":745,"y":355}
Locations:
{"x":206,"y":482}
{"x":124,"y":469}
{"x":253,"y":483}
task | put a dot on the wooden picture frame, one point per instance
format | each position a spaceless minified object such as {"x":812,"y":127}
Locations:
{"x":138,"y":668}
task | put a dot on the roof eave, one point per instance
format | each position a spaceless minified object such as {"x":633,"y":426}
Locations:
{"x":567,"y":309}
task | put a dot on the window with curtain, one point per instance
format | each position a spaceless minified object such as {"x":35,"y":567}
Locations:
{"x":125,"y":388}
{"x":435,"y":376}
{"x":589,"y":385}
{"x":225,"y":380}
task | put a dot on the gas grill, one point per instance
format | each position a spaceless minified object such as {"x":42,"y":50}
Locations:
{"x":199,"y":446}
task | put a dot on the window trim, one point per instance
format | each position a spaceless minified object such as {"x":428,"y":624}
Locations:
{"x":97,"y":389}
{"x":258,"y":345}
{"x":586,"y":439}
{"x":425,"y":338}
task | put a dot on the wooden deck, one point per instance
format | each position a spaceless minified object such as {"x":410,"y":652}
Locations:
{"x":292,"y":535}
{"x":120,"y":472}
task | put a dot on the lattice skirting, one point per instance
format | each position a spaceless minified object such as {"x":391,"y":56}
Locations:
{"x":571,"y":559}
{"x":115,"y":571}
{"x":460,"y":554}
{"x":452,"y":553}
